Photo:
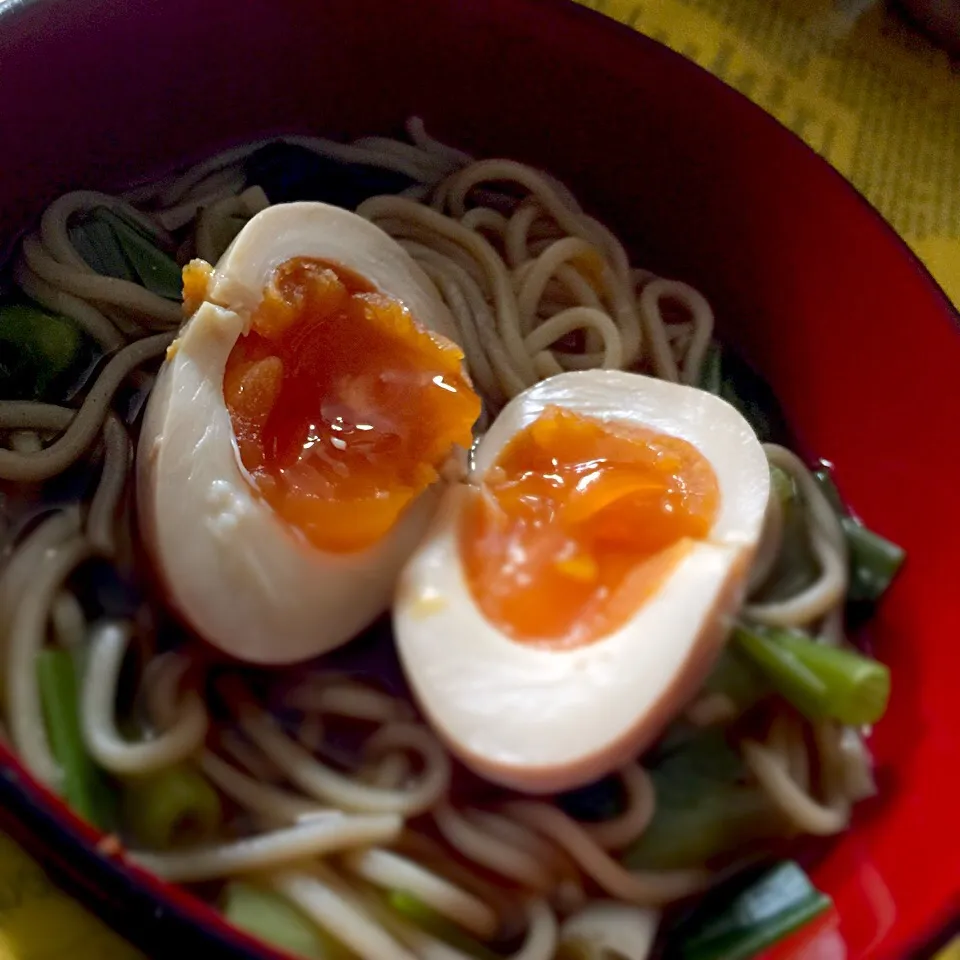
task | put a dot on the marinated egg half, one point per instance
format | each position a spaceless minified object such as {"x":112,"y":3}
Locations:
{"x":292,"y":445}
{"x":571,"y":597}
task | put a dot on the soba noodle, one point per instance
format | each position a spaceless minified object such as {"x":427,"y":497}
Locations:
{"x":525,"y":273}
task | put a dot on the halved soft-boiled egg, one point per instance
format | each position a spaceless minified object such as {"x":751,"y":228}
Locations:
{"x":570,"y":599}
{"x":292,"y":445}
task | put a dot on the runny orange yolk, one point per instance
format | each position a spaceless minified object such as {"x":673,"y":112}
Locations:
{"x":342,"y":406}
{"x":579,"y":522}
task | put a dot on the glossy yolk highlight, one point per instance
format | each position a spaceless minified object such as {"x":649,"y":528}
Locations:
{"x":342,"y":406}
{"x":579,"y":522}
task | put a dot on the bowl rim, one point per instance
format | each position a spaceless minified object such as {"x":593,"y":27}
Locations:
{"x":146,"y":910}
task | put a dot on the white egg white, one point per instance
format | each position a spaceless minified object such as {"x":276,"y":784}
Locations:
{"x":242,"y":578}
{"x":540,"y":719}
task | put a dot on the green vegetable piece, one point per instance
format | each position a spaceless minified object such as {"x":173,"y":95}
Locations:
{"x":789,"y":675}
{"x":874,"y":561}
{"x":158,"y":272}
{"x":85,"y":787}
{"x":224,"y":230}
{"x":744,"y":388}
{"x":783,"y":485}
{"x":795,"y":567}
{"x":710,"y":374}
{"x":174,"y":808}
{"x":35,"y":348}
{"x":412,"y":909}
{"x":738,"y":927}
{"x":703,"y":808}
{"x":276,"y":921}
{"x":704,"y":756}
{"x":825,"y":481}
{"x":114,"y":246}
{"x":738,"y":678}
{"x":689,"y":830}
{"x":819,"y":680}
{"x":96,"y":242}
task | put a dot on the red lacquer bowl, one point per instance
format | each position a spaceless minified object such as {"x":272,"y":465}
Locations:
{"x":816,"y":290}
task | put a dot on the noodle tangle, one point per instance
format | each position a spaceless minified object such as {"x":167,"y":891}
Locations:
{"x":535,"y":287}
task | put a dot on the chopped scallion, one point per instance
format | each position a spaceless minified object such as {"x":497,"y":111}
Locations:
{"x":412,"y":909}
{"x":174,"y":808}
{"x":824,"y":479}
{"x":783,"y":486}
{"x":276,"y":921}
{"x":737,"y":677}
{"x":739,"y":926}
{"x":689,"y":830}
{"x":36,"y":347}
{"x":819,"y":680}
{"x":95,"y":241}
{"x":85,"y":787}
{"x":795,"y":567}
{"x":703,"y":809}
{"x":874,"y":561}
{"x":156,"y":271}
{"x":116,"y":247}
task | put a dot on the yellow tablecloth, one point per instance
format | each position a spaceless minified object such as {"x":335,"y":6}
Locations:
{"x":873,"y":98}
